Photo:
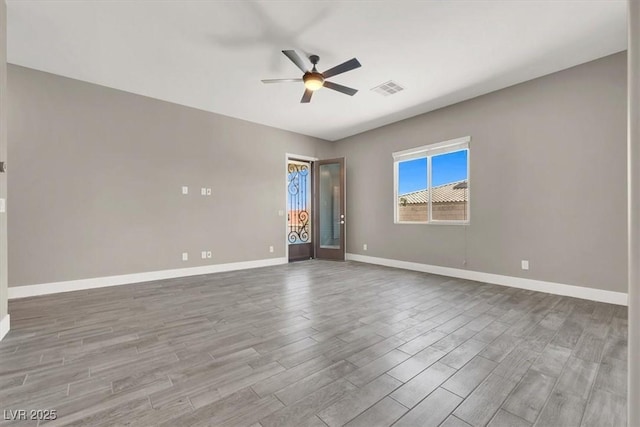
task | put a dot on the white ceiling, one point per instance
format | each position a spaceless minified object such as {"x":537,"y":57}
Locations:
{"x":212,"y":55}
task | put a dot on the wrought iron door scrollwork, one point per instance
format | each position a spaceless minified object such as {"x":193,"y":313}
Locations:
{"x":299,"y":227}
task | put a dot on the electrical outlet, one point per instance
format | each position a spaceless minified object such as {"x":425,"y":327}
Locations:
{"x":203,"y":254}
{"x":185,"y":256}
{"x":185,"y":190}
{"x":208,"y":254}
{"x":271,"y":249}
{"x":203,"y":191}
{"x":364,"y":247}
{"x":525,"y":264}
{"x":208,"y":191}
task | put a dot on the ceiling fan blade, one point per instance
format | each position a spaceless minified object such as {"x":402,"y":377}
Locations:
{"x":344,"y":89}
{"x":306,"y":97}
{"x":342,"y":68}
{"x":295,"y":58}
{"x":280,"y":80}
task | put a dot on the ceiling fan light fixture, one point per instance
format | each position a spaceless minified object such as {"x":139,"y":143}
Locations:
{"x":313,"y":81}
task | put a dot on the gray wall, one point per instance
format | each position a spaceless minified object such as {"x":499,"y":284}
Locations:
{"x":633,"y":379}
{"x":547,"y":181}
{"x":96,"y":177}
{"x":3,"y":157}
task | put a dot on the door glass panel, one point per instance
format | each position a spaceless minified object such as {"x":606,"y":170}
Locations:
{"x":329,"y":209}
{"x":298,"y":202}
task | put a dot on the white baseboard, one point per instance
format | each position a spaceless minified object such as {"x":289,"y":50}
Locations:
{"x":126,"y":279}
{"x":601,"y":295}
{"x":5,"y":325}
{"x":592,"y":294}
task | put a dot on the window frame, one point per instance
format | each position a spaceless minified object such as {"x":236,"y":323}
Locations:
{"x":428,"y":151}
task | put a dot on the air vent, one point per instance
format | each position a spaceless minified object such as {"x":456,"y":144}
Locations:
{"x":388,"y":88}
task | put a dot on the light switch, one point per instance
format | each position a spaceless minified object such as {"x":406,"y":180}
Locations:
{"x":185,"y":190}
{"x":3,"y":206}
{"x":280,"y":212}
{"x":203,"y":191}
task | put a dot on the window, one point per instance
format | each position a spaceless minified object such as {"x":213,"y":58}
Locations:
{"x":432,"y":183}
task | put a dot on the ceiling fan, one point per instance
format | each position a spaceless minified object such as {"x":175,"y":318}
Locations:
{"x":314,"y":80}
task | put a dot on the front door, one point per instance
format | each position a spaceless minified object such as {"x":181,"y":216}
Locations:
{"x":329,"y":177}
{"x":299,"y":201}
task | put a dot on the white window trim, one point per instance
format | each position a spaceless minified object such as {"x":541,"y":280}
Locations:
{"x":432,"y":149}
{"x":428,"y":151}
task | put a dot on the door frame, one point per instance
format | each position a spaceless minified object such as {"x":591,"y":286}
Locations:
{"x":287,"y":157}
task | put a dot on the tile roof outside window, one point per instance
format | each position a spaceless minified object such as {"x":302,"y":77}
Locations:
{"x":452,"y":192}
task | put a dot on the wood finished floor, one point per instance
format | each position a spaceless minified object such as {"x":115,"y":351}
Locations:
{"x":314,"y":344}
